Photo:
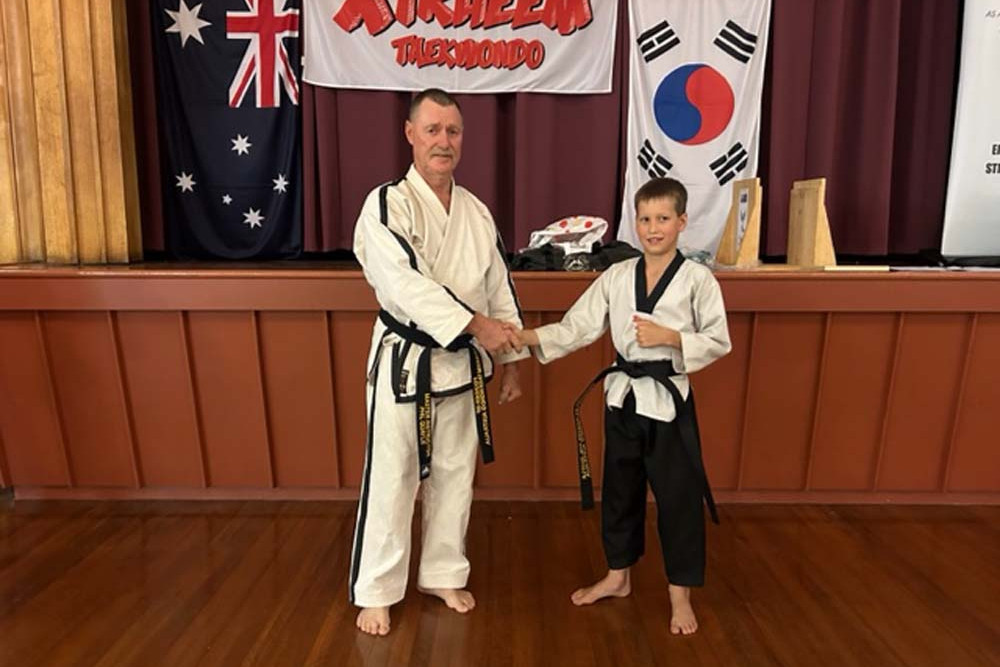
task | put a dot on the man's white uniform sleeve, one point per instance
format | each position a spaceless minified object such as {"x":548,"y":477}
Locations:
{"x":502,"y":298}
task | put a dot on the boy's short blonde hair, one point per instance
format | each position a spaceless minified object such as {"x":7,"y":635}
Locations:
{"x":661,"y":188}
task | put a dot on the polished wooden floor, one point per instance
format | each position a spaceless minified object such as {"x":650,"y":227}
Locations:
{"x":252,"y":583}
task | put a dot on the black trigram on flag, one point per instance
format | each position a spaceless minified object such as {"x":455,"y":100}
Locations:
{"x":736,"y":41}
{"x":730,"y":164}
{"x":655,"y":165}
{"x":657,"y":40}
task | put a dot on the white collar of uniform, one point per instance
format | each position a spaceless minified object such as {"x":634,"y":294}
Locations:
{"x":424,"y":190}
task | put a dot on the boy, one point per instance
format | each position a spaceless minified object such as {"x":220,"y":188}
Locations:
{"x":667,"y":319}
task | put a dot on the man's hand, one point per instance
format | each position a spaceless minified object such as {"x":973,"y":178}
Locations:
{"x":510,"y":383}
{"x":650,"y":334}
{"x":492,"y":334}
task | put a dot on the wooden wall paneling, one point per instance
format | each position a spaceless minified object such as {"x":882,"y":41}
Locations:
{"x":338,"y":480}
{"x":295,"y":357}
{"x":513,"y":433}
{"x":817,"y":400}
{"x":10,"y":234}
{"x":262,"y":393}
{"x":855,"y":384}
{"x":975,"y":456}
{"x":125,"y":399}
{"x":117,"y":139}
{"x":561,"y":384}
{"x":84,"y":140}
{"x":83,"y":360}
{"x":748,"y":392}
{"x":51,"y":113}
{"x":949,"y":450}
{"x":4,"y":473}
{"x":785,"y":372}
{"x":157,"y":378}
{"x":720,"y":397}
{"x":931,"y":355}
{"x":29,"y":420}
{"x":351,"y":334}
{"x":887,"y":403}
{"x":20,"y":102}
{"x":226,"y":375}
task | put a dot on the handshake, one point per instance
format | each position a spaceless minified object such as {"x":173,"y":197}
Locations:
{"x":500,"y":337}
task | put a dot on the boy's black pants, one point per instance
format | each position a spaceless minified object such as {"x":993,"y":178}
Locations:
{"x":636,"y":450}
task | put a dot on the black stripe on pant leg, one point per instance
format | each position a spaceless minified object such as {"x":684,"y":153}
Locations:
{"x":365,"y":482}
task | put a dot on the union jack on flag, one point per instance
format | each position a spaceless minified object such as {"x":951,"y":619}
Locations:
{"x":265,"y":63}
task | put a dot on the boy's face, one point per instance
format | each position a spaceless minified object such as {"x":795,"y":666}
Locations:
{"x":657,"y":225}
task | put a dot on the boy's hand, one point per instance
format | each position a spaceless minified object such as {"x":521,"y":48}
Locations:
{"x":650,"y":334}
{"x":510,"y":384}
{"x":521,"y":338}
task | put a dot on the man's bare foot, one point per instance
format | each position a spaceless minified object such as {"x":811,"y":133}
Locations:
{"x":616,"y":583}
{"x":456,"y":598}
{"x":374,"y":620}
{"x":682,"y":620}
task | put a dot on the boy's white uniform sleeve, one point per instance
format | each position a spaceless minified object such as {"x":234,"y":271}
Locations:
{"x":583,"y":323}
{"x":387,"y":257}
{"x":502,"y":298}
{"x":710,"y":340}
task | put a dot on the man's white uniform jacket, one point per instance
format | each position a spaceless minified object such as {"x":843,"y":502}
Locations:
{"x":432,"y":269}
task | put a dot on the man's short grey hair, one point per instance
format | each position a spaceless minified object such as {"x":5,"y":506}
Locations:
{"x":435,"y":95}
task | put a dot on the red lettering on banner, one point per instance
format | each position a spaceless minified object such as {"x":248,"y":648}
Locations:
{"x":468,"y":53}
{"x":564,"y":16}
{"x":567,"y":16}
{"x":464,"y":10}
{"x":524,"y":14}
{"x":496,"y":15}
{"x":375,"y":14}
{"x":406,"y":12}
{"x":429,"y":10}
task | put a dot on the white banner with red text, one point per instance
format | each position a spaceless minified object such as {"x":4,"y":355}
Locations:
{"x":464,"y":46}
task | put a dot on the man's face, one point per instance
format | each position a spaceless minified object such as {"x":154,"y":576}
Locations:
{"x":435,"y":132}
{"x":658,"y":225}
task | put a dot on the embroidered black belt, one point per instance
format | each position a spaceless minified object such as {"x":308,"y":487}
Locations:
{"x":661,"y":372}
{"x":424,"y":409}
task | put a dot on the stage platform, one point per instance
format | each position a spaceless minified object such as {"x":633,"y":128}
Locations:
{"x":246,"y":382}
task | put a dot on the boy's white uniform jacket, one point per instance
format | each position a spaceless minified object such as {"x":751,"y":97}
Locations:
{"x":691,"y":303}
{"x":432,"y":268}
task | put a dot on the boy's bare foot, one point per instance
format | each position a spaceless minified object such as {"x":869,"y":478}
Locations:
{"x":682,"y":620}
{"x":374,"y":620}
{"x":456,"y":598}
{"x":615,"y":584}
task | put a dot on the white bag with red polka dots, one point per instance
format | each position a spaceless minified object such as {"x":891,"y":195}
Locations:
{"x":574,"y":234}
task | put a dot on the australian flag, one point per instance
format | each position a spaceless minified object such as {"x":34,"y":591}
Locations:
{"x":227,"y":77}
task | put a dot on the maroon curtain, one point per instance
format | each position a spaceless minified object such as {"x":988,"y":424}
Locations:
{"x":859,"y":92}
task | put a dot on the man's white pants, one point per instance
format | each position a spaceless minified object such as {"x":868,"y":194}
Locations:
{"x":381,"y":553}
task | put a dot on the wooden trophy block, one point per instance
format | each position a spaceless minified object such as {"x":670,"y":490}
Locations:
{"x":740,"y":244}
{"x":809,"y":240}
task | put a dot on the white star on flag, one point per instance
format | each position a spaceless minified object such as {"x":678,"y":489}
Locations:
{"x":241,"y":145}
{"x":185,"y":182}
{"x":187,"y":22}
{"x":280,"y":183}
{"x":253,"y":218}
{"x":227,"y":200}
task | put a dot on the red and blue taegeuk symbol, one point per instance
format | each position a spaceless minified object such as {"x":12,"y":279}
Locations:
{"x":693,"y":104}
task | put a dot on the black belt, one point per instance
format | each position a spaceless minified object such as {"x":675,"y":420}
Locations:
{"x":687,"y":423}
{"x":424,"y":408}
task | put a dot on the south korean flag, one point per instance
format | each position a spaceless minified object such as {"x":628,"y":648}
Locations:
{"x":696,"y":75}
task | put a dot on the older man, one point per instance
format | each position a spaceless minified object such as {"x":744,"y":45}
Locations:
{"x":432,"y":253}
